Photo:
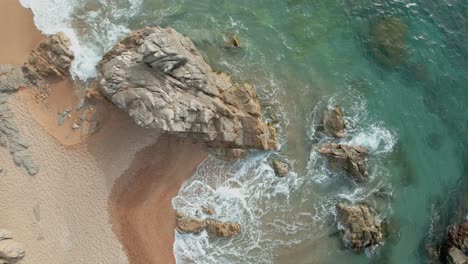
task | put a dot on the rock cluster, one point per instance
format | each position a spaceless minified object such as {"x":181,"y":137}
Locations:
{"x":361,"y":229}
{"x":10,"y":250}
{"x":158,"y":77}
{"x":333,"y":122}
{"x":346,"y":157}
{"x":51,"y":59}
{"x":186,"y":224}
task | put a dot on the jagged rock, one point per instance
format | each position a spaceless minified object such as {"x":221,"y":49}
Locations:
{"x":458,"y":237}
{"x":456,"y":256}
{"x":11,"y":250}
{"x":360,"y":228}
{"x":191,"y":225}
{"x":220,"y":229}
{"x":186,"y":224}
{"x":333,"y":122}
{"x":158,"y":77}
{"x":281,"y":168}
{"x":388,"y":41}
{"x":348,"y":158}
{"x":51,"y":59}
{"x":11,"y":78}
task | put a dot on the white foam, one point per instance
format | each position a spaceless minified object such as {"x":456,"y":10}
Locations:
{"x":92,"y":33}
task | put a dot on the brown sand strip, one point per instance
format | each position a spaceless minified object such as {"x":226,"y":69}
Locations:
{"x":140,"y":202}
{"x":18,"y":33}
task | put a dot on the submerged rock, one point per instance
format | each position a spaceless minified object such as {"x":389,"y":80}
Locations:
{"x":333,"y":122}
{"x":232,"y":40}
{"x":348,"y":158}
{"x":51,"y":59}
{"x":360,"y":228}
{"x":388,"y":40}
{"x":191,"y":225}
{"x":281,"y":168}
{"x":158,"y":77}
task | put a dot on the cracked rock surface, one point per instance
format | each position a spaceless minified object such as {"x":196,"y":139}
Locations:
{"x":158,"y":77}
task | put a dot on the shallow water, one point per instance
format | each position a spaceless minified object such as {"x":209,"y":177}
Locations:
{"x":301,"y":56}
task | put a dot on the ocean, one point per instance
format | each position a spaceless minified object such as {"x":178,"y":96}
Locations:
{"x":399,"y":70}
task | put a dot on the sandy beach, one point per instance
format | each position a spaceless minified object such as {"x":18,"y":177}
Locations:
{"x":104,"y":198}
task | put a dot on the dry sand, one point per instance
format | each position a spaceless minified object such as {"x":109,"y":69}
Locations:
{"x":61,"y":215}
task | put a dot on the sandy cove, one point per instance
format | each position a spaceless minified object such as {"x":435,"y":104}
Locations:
{"x":78,"y":209}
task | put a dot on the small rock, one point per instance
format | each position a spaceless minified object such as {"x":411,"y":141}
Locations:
{"x":10,"y":249}
{"x":232,"y":41}
{"x":5,"y":234}
{"x":208,"y":210}
{"x":281,"y":168}
{"x":186,"y":224}
{"x":333,"y":122}
{"x":220,"y":229}
{"x":75,"y":125}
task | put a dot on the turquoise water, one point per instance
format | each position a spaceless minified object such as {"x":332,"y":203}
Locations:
{"x":303,"y":55}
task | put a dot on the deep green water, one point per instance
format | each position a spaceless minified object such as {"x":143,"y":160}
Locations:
{"x":300,"y":54}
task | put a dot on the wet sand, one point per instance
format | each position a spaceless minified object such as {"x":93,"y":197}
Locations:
{"x":140,"y":202}
{"x":71,"y":211}
{"x":19,"y":35}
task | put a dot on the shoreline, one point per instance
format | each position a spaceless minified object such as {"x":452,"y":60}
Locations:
{"x":79,"y":207}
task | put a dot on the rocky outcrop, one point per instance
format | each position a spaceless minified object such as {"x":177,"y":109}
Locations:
{"x":11,"y":137}
{"x":10,"y":250}
{"x":360,"y":228}
{"x":333,"y":122}
{"x":281,"y":168}
{"x":51,"y":59}
{"x":158,"y":77}
{"x":348,"y":158}
{"x":191,"y":225}
{"x":11,"y":78}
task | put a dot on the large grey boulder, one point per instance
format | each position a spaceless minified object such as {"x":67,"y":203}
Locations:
{"x":158,"y":77}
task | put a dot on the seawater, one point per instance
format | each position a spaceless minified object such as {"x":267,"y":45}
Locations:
{"x":302,"y":56}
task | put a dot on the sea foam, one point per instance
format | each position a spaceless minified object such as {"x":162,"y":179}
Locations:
{"x":92,"y":32}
